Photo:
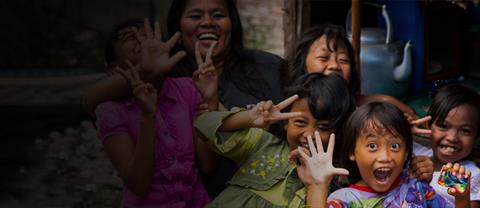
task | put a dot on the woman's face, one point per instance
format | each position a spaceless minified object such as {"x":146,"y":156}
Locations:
{"x":321,"y":59}
{"x":206,"y":21}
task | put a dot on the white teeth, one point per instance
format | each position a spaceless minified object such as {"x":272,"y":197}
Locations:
{"x":449,"y":149}
{"x":384,"y":169}
{"x":208,"y":36}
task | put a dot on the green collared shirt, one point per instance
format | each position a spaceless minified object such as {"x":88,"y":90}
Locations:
{"x":265,"y":177}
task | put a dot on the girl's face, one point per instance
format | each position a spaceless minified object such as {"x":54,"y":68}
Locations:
{"x":127,"y":46}
{"x":452,"y":139}
{"x":298,"y":128}
{"x":380,"y":157}
{"x":320,"y":59}
{"x":206,"y":21}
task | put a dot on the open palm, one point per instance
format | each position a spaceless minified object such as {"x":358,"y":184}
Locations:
{"x":318,"y":167}
{"x":155,"y":59}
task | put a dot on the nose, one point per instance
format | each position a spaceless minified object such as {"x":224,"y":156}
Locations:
{"x":333,"y":65}
{"x":451,"y":136}
{"x":207,"y":20}
{"x":384,"y":156}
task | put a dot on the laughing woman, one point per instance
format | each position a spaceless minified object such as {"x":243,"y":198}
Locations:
{"x":245,"y":76}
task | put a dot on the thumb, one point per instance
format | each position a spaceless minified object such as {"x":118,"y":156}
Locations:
{"x":340,"y":171}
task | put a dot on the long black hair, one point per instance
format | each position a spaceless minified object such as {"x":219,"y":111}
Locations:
{"x":240,"y":66}
{"x":297,"y":59}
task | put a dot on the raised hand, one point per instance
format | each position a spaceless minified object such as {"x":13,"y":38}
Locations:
{"x":205,"y":77}
{"x":155,"y":59}
{"x":420,"y":126}
{"x":145,"y":94}
{"x":317,"y":168}
{"x":460,"y":172}
{"x":265,"y":113}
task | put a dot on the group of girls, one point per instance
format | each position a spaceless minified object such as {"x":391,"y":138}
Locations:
{"x":163,"y":121}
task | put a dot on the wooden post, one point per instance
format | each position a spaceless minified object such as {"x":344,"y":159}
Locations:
{"x":296,"y":18}
{"x":356,"y":31}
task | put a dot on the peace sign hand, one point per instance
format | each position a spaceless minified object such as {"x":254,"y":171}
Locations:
{"x":265,"y":113}
{"x":317,"y":168}
{"x":145,"y":94}
{"x":155,"y":57}
{"x":420,"y":126}
{"x":205,"y":77}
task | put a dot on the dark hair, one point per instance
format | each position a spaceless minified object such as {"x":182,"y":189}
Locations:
{"x":297,"y":60}
{"x":240,"y":65}
{"x":452,"y":96}
{"x":380,"y":115}
{"x":109,"y":50}
{"x":328,"y":97}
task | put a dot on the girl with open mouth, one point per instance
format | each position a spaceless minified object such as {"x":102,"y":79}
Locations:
{"x":377,"y":149}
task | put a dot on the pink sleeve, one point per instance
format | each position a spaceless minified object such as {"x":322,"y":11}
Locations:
{"x":111,"y":119}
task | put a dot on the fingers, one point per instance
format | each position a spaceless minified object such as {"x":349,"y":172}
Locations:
{"x":311,"y":146}
{"x":421,"y":131}
{"x":421,"y":120}
{"x":156,"y":32}
{"x":286,"y":102}
{"x":210,"y":51}
{"x":293,"y":155}
{"x":302,"y":153}
{"x":340,"y":171}
{"x":285,"y":116}
{"x":318,"y":141}
{"x":331,"y":144}
{"x":148,"y":29}
{"x":198,"y":56}
{"x":173,"y":40}
{"x":177,"y":57}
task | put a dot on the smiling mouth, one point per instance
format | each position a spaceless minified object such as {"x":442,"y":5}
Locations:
{"x":208,"y":36}
{"x":449,"y":149}
{"x":382,"y":174}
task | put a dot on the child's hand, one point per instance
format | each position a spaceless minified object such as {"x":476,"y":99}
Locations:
{"x":420,"y":126}
{"x":205,"y":77}
{"x":145,"y":93}
{"x":460,"y":172}
{"x":155,"y":57}
{"x":265,"y":113}
{"x":318,"y":168}
{"x":421,"y":168}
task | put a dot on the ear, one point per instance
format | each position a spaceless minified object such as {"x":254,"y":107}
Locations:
{"x":352,"y":157}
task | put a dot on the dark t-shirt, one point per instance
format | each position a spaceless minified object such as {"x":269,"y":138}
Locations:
{"x":270,"y":67}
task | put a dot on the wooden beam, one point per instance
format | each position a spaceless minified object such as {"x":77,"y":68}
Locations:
{"x":356,"y":31}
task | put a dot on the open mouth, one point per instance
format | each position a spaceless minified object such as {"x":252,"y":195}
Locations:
{"x":304,"y":145}
{"x":208,"y":36}
{"x":382,"y":174}
{"x":449,"y":149}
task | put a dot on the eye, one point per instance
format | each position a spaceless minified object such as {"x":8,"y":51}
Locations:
{"x":465,"y":131}
{"x":300,"y":123}
{"x":441,"y":126}
{"x":219,"y":15}
{"x":195,"y":16}
{"x":372,"y":146}
{"x":344,"y":61}
{"x":324,"y":127}
{"x":323,"y":58}
{"x":395,"y":146}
